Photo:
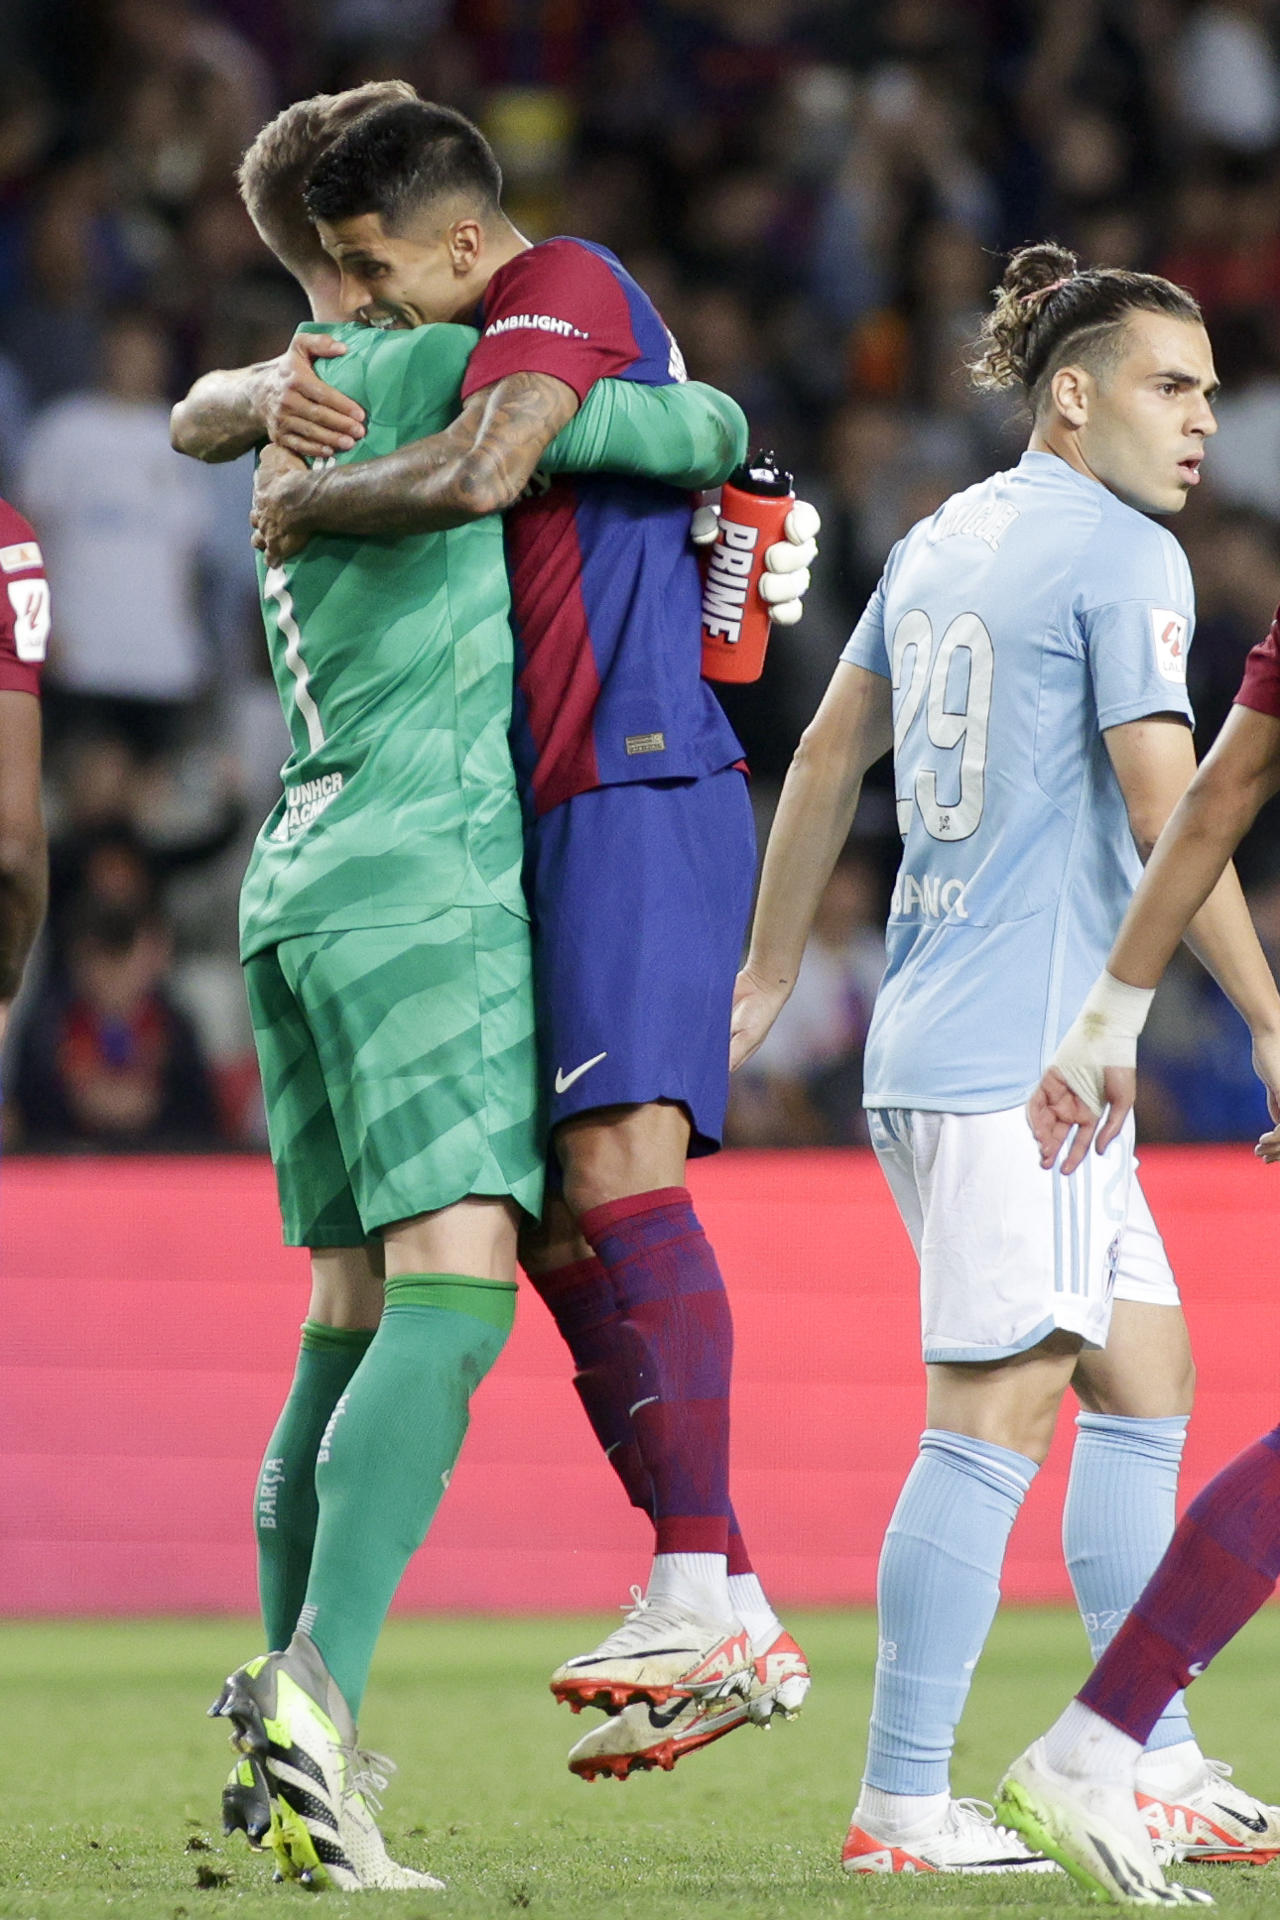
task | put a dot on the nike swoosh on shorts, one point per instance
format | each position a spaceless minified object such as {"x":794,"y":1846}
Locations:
{"x":565,"y":1080}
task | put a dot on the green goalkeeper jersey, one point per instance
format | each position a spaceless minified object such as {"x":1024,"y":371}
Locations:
{"x":393,"y":661}
{"x":393,"y":658}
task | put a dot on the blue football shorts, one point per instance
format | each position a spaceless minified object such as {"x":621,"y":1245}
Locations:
{"x":640,"y":895}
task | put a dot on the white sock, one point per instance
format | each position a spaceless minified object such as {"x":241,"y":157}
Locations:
{"x":1171,"y":1767}
{"x":747,"y":1599}
{"x":886,"y":1814}
{"x":1083,"y":1745}
{"x":697,"y":1581}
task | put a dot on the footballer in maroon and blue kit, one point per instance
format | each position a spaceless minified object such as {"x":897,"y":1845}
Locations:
{"x":639,"y":872}
{"x":640,"y":862}
{"x":641,"y":844}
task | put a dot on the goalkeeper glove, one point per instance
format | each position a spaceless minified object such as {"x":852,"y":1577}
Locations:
{"x":786,"y":576}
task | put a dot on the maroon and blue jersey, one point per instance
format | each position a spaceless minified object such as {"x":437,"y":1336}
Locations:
{"x":605,"y":587}
{"x":1260,"y":688}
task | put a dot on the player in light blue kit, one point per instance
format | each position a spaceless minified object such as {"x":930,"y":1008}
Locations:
{"x":1025,"y":653}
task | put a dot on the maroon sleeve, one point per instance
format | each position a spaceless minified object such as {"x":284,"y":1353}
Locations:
{"x":557,"y":308}
{"x":1260,"y":688}
{"x":24,"y":604}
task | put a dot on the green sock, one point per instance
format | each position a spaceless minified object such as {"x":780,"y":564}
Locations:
{"x":388,"y":1452}
{"x":285,"y":1509}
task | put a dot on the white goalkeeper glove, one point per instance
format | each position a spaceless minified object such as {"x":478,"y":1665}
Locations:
{"x":786,"y":576}
{"x":1103,"y":1034}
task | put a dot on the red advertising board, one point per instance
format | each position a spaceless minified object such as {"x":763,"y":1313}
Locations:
{"x":150,"y":1317}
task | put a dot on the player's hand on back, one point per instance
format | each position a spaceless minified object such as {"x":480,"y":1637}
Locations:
{"x":302,"y":412}
{"x":786,"y":576}
{"x":755,"y":1008}
{"x":279,"y":486}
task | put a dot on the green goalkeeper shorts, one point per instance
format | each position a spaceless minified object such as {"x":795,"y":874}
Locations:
{"x":399,"y":1071}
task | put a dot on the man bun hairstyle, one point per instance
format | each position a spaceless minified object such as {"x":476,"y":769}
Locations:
{"x":275,"y":168}
{"x":400,"y":159}
{"x":1049,"y":311}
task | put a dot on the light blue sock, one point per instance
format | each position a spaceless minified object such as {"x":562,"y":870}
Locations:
{"x":1118,"y":1519}
{"x":937,"y":1592}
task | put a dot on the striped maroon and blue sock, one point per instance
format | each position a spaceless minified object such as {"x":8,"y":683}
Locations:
{"x":1222,"y":1563}
{"x":582,"y":1302}
{"x":676,"y":1339}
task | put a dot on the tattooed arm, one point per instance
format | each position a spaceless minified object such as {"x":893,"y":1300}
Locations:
{"x":231,"y":411}
{"x":480,"y":464}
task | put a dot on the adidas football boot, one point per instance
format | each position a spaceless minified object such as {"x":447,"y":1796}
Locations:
{"x":1092,"y":1829}
{"x":289,"y":1718}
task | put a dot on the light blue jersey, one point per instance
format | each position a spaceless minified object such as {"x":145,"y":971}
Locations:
{"x":1032,"y":612}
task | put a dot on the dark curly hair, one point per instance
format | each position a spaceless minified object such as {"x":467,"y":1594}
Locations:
{"x":400,"y":158}
{"x":1049,"y":310}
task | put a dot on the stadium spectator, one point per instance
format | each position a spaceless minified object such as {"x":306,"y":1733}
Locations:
{"x":1228,"y":77}
{"x":108,"y":1061}
{"x":108,"y":852}
{"x":122,"y":517}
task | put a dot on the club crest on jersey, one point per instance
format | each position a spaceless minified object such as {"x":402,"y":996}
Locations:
{"x":1169,"y":638}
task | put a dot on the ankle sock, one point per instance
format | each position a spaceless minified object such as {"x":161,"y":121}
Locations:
{"x":696,"y":1581}
{"x":750,"y":1604}
{"x":1084,"y":1746}
{"x":886,"y":1816}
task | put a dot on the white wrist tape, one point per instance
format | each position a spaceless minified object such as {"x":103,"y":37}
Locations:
{"x":1103,"y":1034}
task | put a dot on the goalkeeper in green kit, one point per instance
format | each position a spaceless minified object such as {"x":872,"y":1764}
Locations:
{"x":385,"y":942}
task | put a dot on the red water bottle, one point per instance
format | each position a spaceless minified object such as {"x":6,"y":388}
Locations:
{"x":754,"y":503}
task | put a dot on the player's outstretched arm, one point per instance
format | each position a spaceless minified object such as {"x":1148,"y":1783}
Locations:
{"x":689,"y":435}
{"x":231,"y":411}
{"x":850,"y":731}
{"x":1188,"y":890}
{"x":480,"y":464}
{"x":23,"y":857}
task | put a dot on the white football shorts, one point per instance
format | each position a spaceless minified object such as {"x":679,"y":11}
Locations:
{"x":1009,"y":1253}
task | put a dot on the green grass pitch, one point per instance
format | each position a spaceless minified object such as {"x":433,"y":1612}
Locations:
{"x":112,"y":1777}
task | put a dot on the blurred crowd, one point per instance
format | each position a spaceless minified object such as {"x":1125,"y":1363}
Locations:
{"x":816,"y":196}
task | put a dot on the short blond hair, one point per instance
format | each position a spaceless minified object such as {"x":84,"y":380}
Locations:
{"x":274,"y":170}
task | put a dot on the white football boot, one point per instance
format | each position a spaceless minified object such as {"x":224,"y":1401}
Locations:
{"x":966,"y":1839}
{"x":1092,"y":1829}
{"x":645,"y":1735}
{"x":661,"y":1650}
{"x":1206,"y":1817}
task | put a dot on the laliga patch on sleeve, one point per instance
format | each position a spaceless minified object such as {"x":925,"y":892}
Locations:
{"x":1169,"y":638}
{"x":22,"y":558}
{"x":30,"y":602}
